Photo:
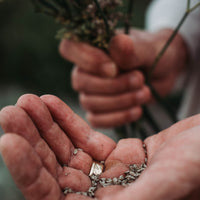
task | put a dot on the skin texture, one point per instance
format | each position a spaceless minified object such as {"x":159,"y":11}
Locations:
{"x":112,"y":86}
{"x":42,"y":132}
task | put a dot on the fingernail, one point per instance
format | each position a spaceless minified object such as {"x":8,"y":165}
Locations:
{"x":109,"y":70}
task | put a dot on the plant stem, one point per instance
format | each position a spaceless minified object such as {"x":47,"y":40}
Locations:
{"x":44,"y":9}
{"x":165,"y":105}
{"x":163,"y":50}
{"x":188,"y":4}
{"x":129,"y":127}
{"x":49,"y":6}
{"x":148,"y":116}
{"x":66,"y":6}
{"x":104,"y":17}
{"x":188,"y":11}
{"x":128,"y":17}
{"x":194,"y":7}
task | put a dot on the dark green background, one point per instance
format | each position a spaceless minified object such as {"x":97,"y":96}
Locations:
{"x":30,"y":62}
{"x":29,"y":51}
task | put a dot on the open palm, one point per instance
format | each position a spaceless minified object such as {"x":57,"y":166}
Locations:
{"x":40,"y":150}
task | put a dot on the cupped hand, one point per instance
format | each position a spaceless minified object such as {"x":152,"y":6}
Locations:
{"x":48,"y":148}
{"x":112,"y":86}
{"x":173,"y":168}
{"x":39,"y":150}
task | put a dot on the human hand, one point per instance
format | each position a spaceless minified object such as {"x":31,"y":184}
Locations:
{"x":35,"y":155}
{"x":42,"y":135}
{"x":112,"y":87}
{"x":173,"y":165}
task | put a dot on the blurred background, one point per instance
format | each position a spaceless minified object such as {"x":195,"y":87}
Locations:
{"x":30,"y":63}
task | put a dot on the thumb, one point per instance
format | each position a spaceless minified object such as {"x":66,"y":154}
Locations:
{"x":132,"y":52}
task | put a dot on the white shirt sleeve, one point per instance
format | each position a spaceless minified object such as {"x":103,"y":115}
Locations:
{"x":167,"y":14}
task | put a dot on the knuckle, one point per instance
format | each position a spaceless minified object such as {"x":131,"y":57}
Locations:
{"x":147,"y":92}
{"x":84,"y":101}
{"x":135,"y":80}
{"x":133,"y":114}
{"x":140,"y":77}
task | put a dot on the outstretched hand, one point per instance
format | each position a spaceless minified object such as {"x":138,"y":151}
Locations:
{"x":39,"y":149}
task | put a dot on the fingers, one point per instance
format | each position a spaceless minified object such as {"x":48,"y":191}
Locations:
{"x":131,"y":52}
{"x":26,"y":168}
{"x":111,"y":102}
{"x":103,"y":104}
{"x":88,"y":58}
{"x":126,"y":53}
{"x":114,"y":119}
{"x":81,"y":161}
{"x":84,"y":82}
{"x":74,"y":179}
{"x":95,"y":144}
{"x":55,"y":137}
{"x":127,"y":152}
{"x":13,"y":119}
{"x":174,"y":170}
{"x":50,"y":131}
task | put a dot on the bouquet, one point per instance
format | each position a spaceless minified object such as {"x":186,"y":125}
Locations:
{"x":90,"y":21}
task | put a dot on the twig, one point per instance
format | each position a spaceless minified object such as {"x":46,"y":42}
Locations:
{"x":129,"y":128}
{"x":41,"y":8}
{"x":166,"y":106}
{"x":163,"y":50}
{"x":49,"y":6}
{"x":104,"y":17}
{"x":128,"y":17}
{"x":188,"y":4}
{"x":194,"y":7}
{"x":148,"y":116}
{"x":66,"y":6}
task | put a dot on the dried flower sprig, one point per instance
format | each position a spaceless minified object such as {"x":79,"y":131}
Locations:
{"x":91,"y":21}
